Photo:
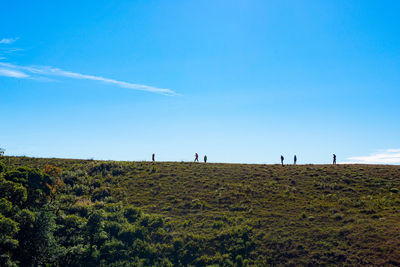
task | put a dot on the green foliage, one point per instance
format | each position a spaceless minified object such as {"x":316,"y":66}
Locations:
{"x":101,"y":193}
{"x":17,"y":176}
{"x":57,"y":212}
{"x":8,"y":230}
{"x":132,"y":213}
{"x":5,"y":207}
{"x":2,"y":167}
{"x":69,"y":230}
{"x":36,"y":242}
{"x":94,"y":229}
{"x":13,"y":192}
{"x":32,"y":181}
{"x":7,"y":226}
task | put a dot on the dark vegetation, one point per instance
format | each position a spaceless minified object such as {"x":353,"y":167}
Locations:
{"x":101,"y":213}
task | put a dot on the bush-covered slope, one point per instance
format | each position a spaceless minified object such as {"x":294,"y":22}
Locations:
{"x":70,"y":212}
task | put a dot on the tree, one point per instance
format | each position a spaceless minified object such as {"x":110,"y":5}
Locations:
{"x":2,"y":167}
{"x":94,"y":229}
{"x":8,"y":230}
{"x":37,"y":246}
{"x":2,"y":150}
{"x":57,"y":184}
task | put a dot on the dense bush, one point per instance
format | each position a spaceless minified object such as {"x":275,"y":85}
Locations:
{"x":48,"y":221}
{"x":2,"y":167}
{"x":73,"y":212}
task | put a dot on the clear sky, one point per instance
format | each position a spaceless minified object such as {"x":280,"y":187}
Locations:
{"x":240,"y":81}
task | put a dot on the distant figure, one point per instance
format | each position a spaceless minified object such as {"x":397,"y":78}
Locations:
{"x":282,"y":158}
{"x":196,"y":157}
{"x":205,"y":158}
{"x":334,"y":159}
{"x":295,"y":160}
{"x":153,"y":157}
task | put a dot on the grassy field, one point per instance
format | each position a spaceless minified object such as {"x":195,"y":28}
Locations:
{"x":244,"y":214}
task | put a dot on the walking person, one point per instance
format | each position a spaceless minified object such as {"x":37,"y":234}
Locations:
{"x":153,"y":157}
{"x":205,"y":158}
{"x":295,"y":160}
{"x":282,"y":158}
{"x":196,"y":157}
{"x":334,"y":159}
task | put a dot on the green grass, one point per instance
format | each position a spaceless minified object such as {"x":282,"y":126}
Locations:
{"x":304,"y":214}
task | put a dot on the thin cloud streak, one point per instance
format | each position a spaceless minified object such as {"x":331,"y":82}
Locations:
{"x":51,"y":71}
{"x":388,"y":156}
{"x":8,"y":40}
{"x":11,"y":50}
{"x":13,"y":73}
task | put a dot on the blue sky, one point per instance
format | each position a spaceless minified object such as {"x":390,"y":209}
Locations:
{"x":240,"y":81}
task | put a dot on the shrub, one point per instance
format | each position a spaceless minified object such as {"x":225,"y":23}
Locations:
{"x":38,"y":180}
{"x":101,"y":193}
{"x":132,"y":213}
{"x":2,"y":167}
{"x":13,"y":192}
{"x":52,"y":171}
{"x":5,"y":206}
{"x":130,"y":233}
{"x":112,"y":228}
{"x":36,"y":242}
{"x":218,"y":225}
{"x":239,"y":261}
{"x":80,"y":189}
{"x":69,"y":230}
{"x":8,"y":230}
{"x":17,"y":176}
{"x":303,"y":215}
{"x":8,"y":227}
{"x":112,"y":251}
{"x":337,"y":216}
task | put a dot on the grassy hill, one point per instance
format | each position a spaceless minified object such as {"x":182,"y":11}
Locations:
{"x":221,"y":214}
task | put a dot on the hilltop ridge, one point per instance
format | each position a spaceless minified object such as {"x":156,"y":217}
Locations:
{"x":232,"y":214}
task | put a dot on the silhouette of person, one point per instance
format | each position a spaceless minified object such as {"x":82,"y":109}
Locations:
{"x":282,"y":158}
{"x":205,"y":158}
{"x":153,"y":157}
{"x":334,"y":159}
{"x":295,"y":159}
{"x":196,"y":157}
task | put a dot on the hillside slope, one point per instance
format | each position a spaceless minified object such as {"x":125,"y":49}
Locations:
{"x":243,"y":214}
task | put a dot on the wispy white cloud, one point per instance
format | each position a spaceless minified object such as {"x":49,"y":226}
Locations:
{"x":51,"y":71}
{"x":7,"y":50}
{"x":388,"y":156}
{"x":13,"y":73}
{"x":11,"y":50}
{"x":8,"y":40}
{"x":393,"y":150}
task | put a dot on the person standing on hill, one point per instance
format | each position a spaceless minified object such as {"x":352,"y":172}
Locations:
{"x":196,"y":157}
{"x":295,"y":160}
{"x":334,"y":159}
{"x":153,"y":157}
{"x":282,"y":158}
{"x":205,"y":158}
